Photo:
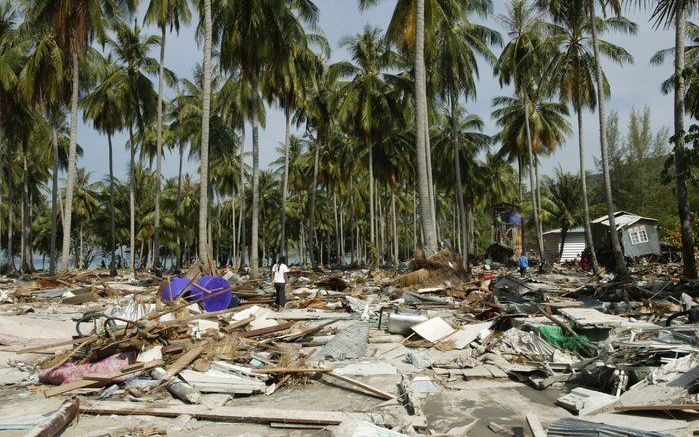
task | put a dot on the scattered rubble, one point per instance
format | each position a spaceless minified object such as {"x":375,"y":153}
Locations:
{"x":435,"y":350}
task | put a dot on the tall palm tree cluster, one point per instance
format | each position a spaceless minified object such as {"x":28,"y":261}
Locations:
{"x":379,"y":156}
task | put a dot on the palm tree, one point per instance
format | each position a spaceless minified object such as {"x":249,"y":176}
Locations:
{"x":456,"y":66}
{"x":520,"y":62}
{"x":615,"y":5}
{"x":105,"y":106}
{"x":76,"y":23}
{"x":667,"y":11}
{"x":44,"y":81}
{"x":572,"y":72}
{"x":291,"y":81}
{"x":163,"y":13}
{"x":253,"y":35}
{"x":86,"y":207}
{"x":319,"y":112}
{"x":367,"y":103}
{"x":562,"y":202}
{"x":131,"y":48}
{"x":203,"y":248}
{"x":408,"y":29}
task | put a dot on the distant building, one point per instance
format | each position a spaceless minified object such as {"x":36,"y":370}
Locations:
{"x":573,"y":247}
{"x":638,"y":236}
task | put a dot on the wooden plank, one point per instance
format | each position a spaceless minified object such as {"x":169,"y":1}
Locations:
{"x":238,"y":324}
{"x":85,"y":383}
{"x":225,"y":414}
{"x":183,"y":361}
{"x":290,"y":370}
{"x":298,"y":335}
{"x":373,"y":390}
{"x":45,"y":346}
{"x":268,"y":330}
{"x":535,"y":425}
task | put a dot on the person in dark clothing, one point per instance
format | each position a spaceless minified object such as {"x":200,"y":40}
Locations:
{"x":280,"y":277}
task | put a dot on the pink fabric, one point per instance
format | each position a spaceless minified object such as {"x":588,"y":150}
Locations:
{"x":70,"y":372}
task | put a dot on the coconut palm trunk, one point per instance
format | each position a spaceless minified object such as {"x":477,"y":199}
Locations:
{"x":255,"y":225}
{"x":112,"y":219}
{"x":619,"y":261}
{"x":178,"y":209}
{"x":312,"y":207}
{"x":338,"y":230}
{"x":426,"y":210}
{"x":132,"y":203}
{"x":72,"y":153}
{"x":10,"y":203}
{"x":586,"y":206}
{"x":564,"y":234}
{"x":394,"y":224}
{"x":680,"y":161}
{"x":54,"y":202}
{"x":372,"y":221}
{"x":242,"y":247}
{"x":285,"y":182}
{"x":159,"y":151}
{"x":26,"y":265}
{"x":204,"y":153}
{"x":532,"y":179}
{"x":459,"y":187}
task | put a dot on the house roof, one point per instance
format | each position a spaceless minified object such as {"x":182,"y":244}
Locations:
{"x":622,"y":219}
{"x":578,"y":229}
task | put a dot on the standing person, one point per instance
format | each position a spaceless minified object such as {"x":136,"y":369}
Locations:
{"x":523,"y":265}
{"x":280,"y":275}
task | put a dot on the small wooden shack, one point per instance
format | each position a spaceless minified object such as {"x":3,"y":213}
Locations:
{"x":638,"y":235}
{"x":572,"y":248}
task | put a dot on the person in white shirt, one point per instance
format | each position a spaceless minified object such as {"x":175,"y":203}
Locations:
{"x":280,"y":277}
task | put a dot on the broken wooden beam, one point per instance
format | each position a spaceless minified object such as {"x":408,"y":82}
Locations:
{"x":183,"y":361}
{"x":291,"y":370}
{"x":268,"y":330}
{"x":224,"y":414}
{"x":373,"y":390}
{"x":239,"y":324}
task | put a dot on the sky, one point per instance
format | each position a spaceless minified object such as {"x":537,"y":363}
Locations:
{"x":633,"y":86}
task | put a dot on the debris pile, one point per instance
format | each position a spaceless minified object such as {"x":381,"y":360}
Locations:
{"x":430,"y":351}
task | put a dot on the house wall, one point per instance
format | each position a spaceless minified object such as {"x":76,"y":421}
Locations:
{"x":641,"y":249}
{"x":574,"y":246}
{"x":601,"y":239}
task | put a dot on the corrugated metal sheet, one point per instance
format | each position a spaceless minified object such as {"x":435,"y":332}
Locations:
{"x":567,"y":427}
{"x":622,"y":218}
{"x":574,"y":245}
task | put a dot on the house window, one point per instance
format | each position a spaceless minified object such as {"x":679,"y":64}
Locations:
{"x":638,"y":235}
